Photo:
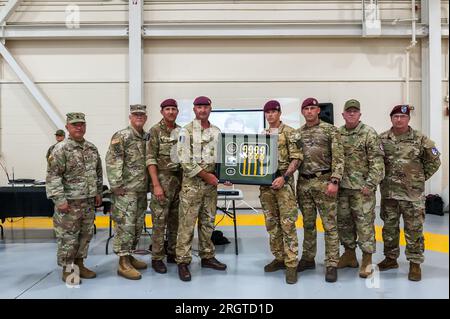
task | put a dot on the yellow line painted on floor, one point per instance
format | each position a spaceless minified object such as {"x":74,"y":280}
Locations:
{"x":433,"y":242}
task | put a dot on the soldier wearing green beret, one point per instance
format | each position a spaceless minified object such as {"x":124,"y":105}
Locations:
{"x":74,"y":183}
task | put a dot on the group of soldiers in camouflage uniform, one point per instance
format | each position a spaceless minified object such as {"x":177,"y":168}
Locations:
{"x":339,"y":171}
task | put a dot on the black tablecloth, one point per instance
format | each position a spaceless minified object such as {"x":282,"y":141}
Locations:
{"x":24,"y":201}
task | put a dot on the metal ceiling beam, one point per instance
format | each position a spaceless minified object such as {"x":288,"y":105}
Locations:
{"x":136,"y":52}
{"x":267,"y":30}
{"x":8,"y":10}
{"x":209,"y":30}
{"x":32,"y":88}
{"x":44,"y":32}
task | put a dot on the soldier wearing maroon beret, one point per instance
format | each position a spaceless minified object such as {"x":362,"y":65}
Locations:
{"x":198,"y":197}
{"x":317,"y":186}
{"x":165,"y":186}
{"x":411,"y":158}
{"x":278,"y":200}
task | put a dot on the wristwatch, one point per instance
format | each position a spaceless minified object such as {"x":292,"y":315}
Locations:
{"x":286,"y":178}
{"x":335,"y":181}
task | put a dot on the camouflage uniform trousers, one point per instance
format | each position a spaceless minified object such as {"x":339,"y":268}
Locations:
{"x":198,"y":200}
{"x":312,"y":198}
{"x":281,"y":213}
{"x":165,"y":215}
{"x":356,"y":218}
{"x":74,"y":230}
{"x":128,"y":214}
{"x":413,"y":218}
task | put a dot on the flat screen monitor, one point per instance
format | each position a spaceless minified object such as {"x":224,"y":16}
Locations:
{"x":230,"y":120}
{"x":238,"y":121}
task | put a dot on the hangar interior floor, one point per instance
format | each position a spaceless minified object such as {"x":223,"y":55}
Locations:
{"x":29,"y":270}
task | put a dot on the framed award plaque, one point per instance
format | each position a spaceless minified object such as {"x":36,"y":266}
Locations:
{"x":250,"y":159}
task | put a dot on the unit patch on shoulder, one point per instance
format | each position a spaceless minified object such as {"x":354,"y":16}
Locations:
{"x":115,"y":141}
{"x":435,"y":151}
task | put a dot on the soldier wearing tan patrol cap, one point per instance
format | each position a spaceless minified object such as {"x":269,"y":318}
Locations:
{"x":411,"y":158}
{"x":60,"y":135}
{"x":364,"y":170}
{"x":128,"y":179}
{"x":74,"y":183}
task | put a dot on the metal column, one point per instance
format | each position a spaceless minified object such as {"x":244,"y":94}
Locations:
{"x":136,"y":52}
{"x":432,"y":101}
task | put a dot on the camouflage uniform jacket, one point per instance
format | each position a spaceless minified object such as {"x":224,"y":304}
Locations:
{"x":410,"y":160}
{"x":201,"y":155}
{"x":364,"y":157}
{"x":322,"y":150}
{"x":288,"y":149}
{"x":161,"y":145}
{"x":125,"y":161}
{"x":74,"y":171}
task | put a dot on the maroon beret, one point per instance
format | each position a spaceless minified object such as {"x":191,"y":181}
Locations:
{"x":169,"y":102}
{"x":309,"y":101}
{"x":272,"y":105}
{"x":202,"y":100}
{"x":402,"y":109}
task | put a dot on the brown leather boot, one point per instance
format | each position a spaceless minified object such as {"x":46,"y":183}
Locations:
{"x":291,"y":275}
{"x":159,"y":267}
{"x":137,"y":264}
{"x":73,"y":280}
{"x":415,"y":273}
{"x":274,"y":266}
{"x":171,"y":259}
{"x":213,"y":263}
{"x":84,"y":272}
{"x":366,"y":269}
{"x":184,"y":273}
{"x":348,"y":259}
{"x":304,"y":264}
{"x":388,"y":263}
{"x":331,"y":274}
{"x":126,"y":270}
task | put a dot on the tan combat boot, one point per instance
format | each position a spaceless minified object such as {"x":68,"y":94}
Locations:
{"x":73,"y":280}
{"x":126,"y":270}
{"x":274,"y":265}
{"x":137,"y":264}
{"x":348,"y":259}
{"x":366,"y":268}
{"x":415,"y":273}
{"x":291,"y":275}
{"x":388,"y":263}
{"x":84,"y":272}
